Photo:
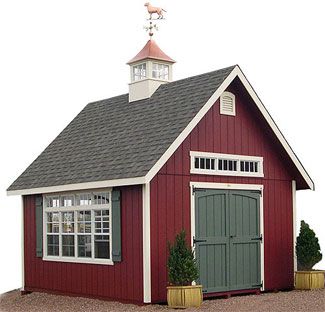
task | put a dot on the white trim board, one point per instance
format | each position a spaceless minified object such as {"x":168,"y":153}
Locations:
{"x":236,"y":72}
{"x":79,"y":186}
{"x":294,"y":224}
{"x":230,"y":186}
{"x":146,"y":243}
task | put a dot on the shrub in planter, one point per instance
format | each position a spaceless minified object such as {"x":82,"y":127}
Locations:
{"x":308,"y":254}
{"x":182,"y":271}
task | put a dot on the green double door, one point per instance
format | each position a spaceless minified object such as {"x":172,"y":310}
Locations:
{"x":227,"y":239}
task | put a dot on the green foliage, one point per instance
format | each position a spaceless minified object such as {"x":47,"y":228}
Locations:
{"x":182,"y":266}
{"x":307,"y":248}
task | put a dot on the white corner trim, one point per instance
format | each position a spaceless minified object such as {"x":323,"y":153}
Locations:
{"x":231,"y":186}
{"x":22,"y":246}
{"x":236,"y":72}
{"x":294,"y":224}
{"x":79,"y":186}
{"x":146,"y":243}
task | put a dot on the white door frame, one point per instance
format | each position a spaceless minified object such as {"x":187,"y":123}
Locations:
{"x":230,"y":186}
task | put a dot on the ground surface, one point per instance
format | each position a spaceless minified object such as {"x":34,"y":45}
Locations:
{"x":282,"y":301}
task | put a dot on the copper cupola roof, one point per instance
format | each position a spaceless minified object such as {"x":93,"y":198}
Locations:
{"x":151,"y":51}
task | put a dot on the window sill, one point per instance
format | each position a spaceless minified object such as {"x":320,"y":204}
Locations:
{"x":77,"y":260}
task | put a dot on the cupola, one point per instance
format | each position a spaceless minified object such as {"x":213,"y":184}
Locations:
{"x":149,"y":69}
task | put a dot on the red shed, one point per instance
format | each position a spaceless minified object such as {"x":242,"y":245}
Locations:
{"x":128,"y":173}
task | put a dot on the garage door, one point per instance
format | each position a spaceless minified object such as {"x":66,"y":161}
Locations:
{"x":227,"y":239}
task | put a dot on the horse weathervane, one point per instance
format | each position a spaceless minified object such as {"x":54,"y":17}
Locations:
{"x":153,"y":10}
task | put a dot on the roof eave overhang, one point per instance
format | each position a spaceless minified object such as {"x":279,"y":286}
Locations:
{"x":78,"y":186}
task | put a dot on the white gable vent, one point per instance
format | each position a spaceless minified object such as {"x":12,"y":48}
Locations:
{"x":228,"y":104}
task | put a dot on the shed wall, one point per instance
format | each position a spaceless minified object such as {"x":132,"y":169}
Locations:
{"x":121,"y":281}
{"x":244,"y":134}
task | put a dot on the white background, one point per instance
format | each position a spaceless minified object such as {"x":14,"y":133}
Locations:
{"x":56,"y":56}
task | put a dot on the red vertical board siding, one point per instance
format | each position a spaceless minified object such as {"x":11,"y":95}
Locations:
{"x":121,"y":281}
{"x":244,"y":134}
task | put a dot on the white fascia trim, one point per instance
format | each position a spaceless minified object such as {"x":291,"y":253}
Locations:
{"x":79,"y":186}
{"x":231,"y":186}
{"x":146,"y":243}
{"x":294,"y":224}
{"x":22,"y":246}
{"x":236,"y":72}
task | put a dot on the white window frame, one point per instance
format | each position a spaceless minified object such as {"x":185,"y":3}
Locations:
{"x":216,"y":171}
{"x":93,"y":207}
{"x":160,"y":67}
{"x":233,"y":97}
{"x":143,"y":67}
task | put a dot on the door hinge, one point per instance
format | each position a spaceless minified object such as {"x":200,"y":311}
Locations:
{"x":258,"y":285}
{"x":198,"y":240}
{"x":195,"y":189}
{"x":258,"y":238}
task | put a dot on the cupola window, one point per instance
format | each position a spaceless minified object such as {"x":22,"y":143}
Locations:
{"x":139,"y":72}
{"x":160,"y":71}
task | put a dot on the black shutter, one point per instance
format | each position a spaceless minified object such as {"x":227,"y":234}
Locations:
{"x":39,"y":225}
{"x":116,"y":226}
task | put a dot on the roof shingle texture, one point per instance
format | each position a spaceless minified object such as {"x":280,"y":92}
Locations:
{"x":115,"y":139}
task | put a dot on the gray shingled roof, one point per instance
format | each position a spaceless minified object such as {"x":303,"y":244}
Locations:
{"x":114,"y":139}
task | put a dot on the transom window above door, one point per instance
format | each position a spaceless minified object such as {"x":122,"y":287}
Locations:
{"x":226,"y":164}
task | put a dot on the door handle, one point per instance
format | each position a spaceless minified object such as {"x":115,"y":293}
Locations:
{"x":232,"y":236}
{"x":198,"y":240}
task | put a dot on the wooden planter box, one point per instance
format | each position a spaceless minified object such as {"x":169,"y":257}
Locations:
{"x":309,"y":279}
{"x":181,"y":297}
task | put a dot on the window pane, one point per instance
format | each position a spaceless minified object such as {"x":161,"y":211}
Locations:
{"x":202,"y":163}
{"x":225,"y":165}
{"x":219,"y":164}
{"x":242,"y":166}
{"x":230,"y":165}
{"x":53,"y":217}
{"x":84,"y":246}
{"x":68,"y":222}
{"x":256,"y":168}
{"x":102,"y":246}
{"x":101,"y":198}
{"x":83,"y":199}
{"x":246,"y":166}
{"x":207,"y":163}
{"x":53,"y":201}
{"x":212,"y":164}
{"x":52,"y":245}
{"x":235,"y":165}
{"x":196,"y":162}
{"x":53,"y":228}
{"x":67,"y":201}
{"x":68,"y":245}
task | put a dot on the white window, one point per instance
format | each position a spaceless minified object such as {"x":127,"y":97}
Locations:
{"x":160,"y":71}
{"x":226,"y":164}
{"x":227,"y":104}
{"x":77,"y":227}
{"x":139,"y":72}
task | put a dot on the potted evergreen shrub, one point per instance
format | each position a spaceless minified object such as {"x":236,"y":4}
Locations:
{"x":308,"y":254}
{"x":182,"y":271}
